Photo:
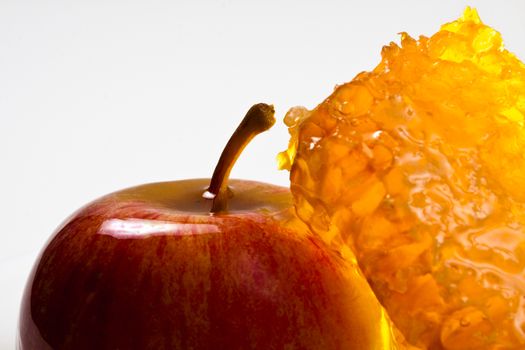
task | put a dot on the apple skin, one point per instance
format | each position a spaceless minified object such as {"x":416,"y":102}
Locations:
{"x":150,"y":268}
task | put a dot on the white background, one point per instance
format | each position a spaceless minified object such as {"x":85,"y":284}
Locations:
{"x":96,"y":96}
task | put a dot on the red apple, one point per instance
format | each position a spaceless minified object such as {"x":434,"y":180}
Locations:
{"x":151,"y":268}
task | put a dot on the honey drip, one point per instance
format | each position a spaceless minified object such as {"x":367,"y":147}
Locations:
{"x":416,"y":170}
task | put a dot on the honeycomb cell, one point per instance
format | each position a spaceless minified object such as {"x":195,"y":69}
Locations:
{"x":416,"y":168}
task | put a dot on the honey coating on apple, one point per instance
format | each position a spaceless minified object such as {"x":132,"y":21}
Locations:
{"x":416,"y":170}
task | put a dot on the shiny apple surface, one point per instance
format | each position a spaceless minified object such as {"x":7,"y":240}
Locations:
{"x":150,"y":268}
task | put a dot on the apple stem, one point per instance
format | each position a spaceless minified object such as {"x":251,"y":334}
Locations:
{"x":259,"y":118}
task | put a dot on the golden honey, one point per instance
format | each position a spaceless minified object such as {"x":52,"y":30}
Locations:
{"x":416,"y":170}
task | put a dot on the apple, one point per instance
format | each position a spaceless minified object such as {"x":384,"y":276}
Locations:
{"x":162,"y":266}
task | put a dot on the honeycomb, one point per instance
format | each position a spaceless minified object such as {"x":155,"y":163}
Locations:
{"x":415,"y":170}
